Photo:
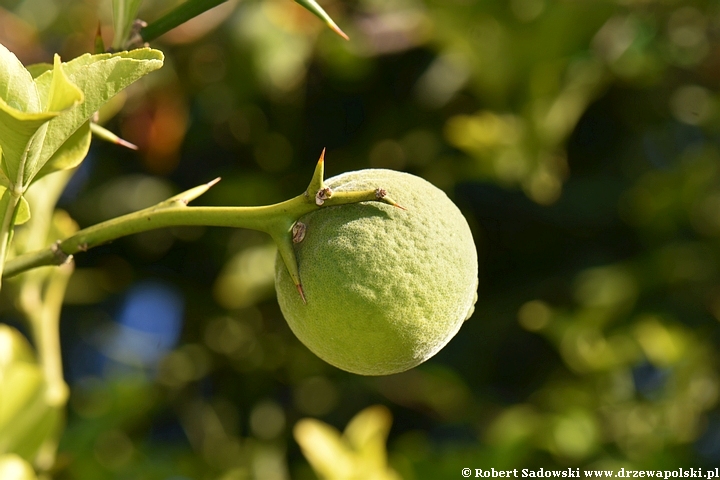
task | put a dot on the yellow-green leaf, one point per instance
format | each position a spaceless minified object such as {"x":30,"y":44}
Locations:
{"x":17,"y":128}
{"x":324,"y":449}
{"x":22,"y":214}
{"x":63,"y":93}
{"x":17,"y":89}
{"x":71,"y":153}
{"x":100,"y":77}
{"x":37,"y":69}
{"x":13,"y":467}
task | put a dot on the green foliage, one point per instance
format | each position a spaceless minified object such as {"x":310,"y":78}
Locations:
{"x":45,"y":121}
{"x":100,"y":77}
{"x":41,"y":116}
{"x":12,"y":467}
{"x":27,"y":419}
{"x":358,"y":453}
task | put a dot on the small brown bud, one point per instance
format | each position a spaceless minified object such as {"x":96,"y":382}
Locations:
{"x":322,"y":195}
{"x":298,"y":232}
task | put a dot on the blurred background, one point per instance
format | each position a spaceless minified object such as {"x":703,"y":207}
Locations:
{"x":580,"y":139}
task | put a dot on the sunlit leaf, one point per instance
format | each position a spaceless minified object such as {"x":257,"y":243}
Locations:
{"x":25,"y":382}
{"x":4,"y":180}
{"x":359,"y":453}
{"x":368,"y":426}
{"x":13,"y":467}
{"x":26,"y":418}
{"x":70,"y":153}
{"x":17,"y":89}
{"x":22,"y":211}
{"x":23,"y":112}
{"x":63,"y":94}
{"x":18,"y":128}
{"x":14,"y":347}
{"x":99,"y":43}
{"x":37,"y":69}
{"x":324,"y":449}
{"x":100,"y":77}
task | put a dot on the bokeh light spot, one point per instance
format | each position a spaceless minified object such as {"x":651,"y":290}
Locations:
{"x":267,"y":420}
{"x":315,"y":396}
{"x":113,"y":449}
{"x":534,"y":315}
{"x":691,"y":104}
{"x":388,"y":154}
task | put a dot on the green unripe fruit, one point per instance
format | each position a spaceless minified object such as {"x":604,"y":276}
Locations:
{"x":386,"y":288}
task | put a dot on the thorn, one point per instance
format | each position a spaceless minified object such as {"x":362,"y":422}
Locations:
{"x":316,"y":182}
{"x":126,"y":144}
{"x":381,"y":195}
{"x":317,"y":10}
{"x":109,"y":136}
{"x":213,"y":182}
{"x":302,"y":294}
{"x":333,"y":26}
{"x":99,"y":44}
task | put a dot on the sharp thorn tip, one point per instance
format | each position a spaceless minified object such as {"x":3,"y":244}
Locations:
{"x":337,"y":30}
{"x":302,"y":294}
{"x":126,"y":144}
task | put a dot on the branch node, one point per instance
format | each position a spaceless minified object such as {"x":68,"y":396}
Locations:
{"x":61,"y":258}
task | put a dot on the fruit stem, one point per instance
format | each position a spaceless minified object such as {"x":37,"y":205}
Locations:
{"x":277,"y":220}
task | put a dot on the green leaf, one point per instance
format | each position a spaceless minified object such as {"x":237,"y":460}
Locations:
{"x":25,"y":381}
{"x":70,"y":154}
{"x":4,"y":180}
{"x":100,"y":77}
{"x":63,"y":94}
{"x":16,"y":130}
{"x":22,"y":211}
{"x":13,"y":467}
{"x":17,"y":89}
{"x":99,"y":43}
{"x":20,"y":111}
{"x":26,"y":417}
{"x":324,"y":448}
{"x":23,"y":112}
{"x":124,"y":14}
{"x":14,"y":347}
{"x":38,"y":69}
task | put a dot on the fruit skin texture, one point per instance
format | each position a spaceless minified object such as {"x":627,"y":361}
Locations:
{"x":386,"y":288}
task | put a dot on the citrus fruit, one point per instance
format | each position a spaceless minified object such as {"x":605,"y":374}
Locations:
{"x":386,"y":288}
